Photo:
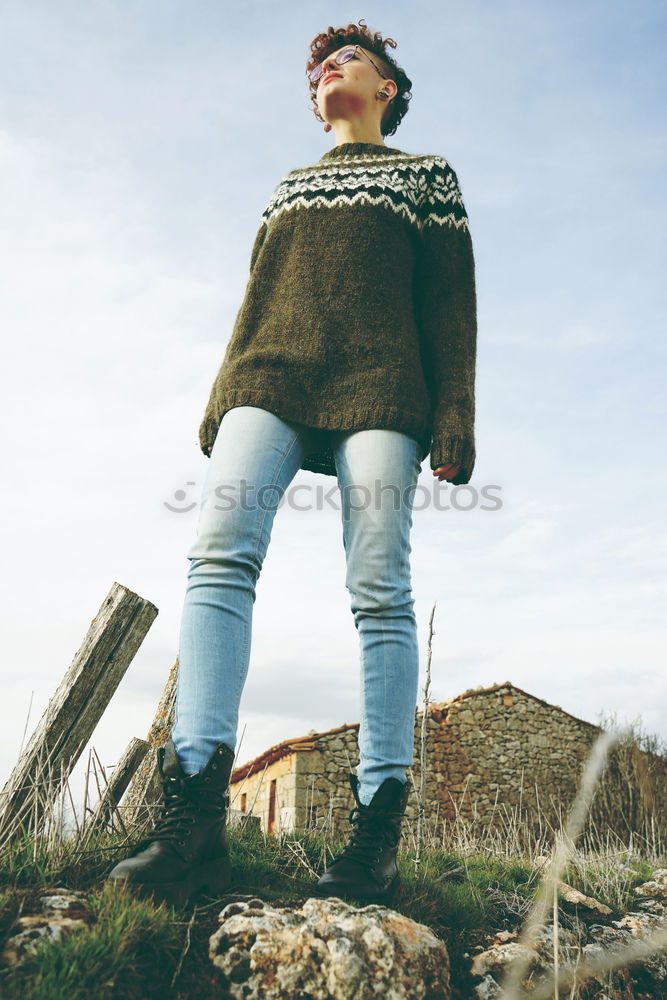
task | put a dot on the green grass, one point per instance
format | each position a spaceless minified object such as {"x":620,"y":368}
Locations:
{"x":465,"y":880}
{"x":134,"y":947}
{"x":129,"y":951}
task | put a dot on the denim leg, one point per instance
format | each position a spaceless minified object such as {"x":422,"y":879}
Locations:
{"x":255,"y":447}
{"x":377,"y":476}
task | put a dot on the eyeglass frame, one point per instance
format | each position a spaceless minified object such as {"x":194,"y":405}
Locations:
{"x":338,"y":51}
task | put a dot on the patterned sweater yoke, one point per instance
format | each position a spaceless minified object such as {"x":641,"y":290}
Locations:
{"x":360,"y":308}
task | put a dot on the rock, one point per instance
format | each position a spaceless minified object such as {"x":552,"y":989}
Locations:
{"x":488,"y":989}
{"x":642,"y":925}
{"x":596,"y":942}
{"x":608,"y":941}
{"x":60,"y":912}
{"x":327,"y":950}
{"x":506,"y":935}
{"x":656,"y":886}
{"x":573,"y":895}
{"x":493,"y":963}
{"x":652,"y":895}
{"x":494,"y":960}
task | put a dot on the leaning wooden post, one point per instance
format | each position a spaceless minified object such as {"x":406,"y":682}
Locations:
{"x":109,"y":647}
{"x":142,"y":798}
{"x":106,"y":812}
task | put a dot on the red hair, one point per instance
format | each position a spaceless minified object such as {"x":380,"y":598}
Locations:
{"x":358,"y":34}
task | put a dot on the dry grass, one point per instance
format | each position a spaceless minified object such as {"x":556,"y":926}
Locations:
{"x":40,"y":845}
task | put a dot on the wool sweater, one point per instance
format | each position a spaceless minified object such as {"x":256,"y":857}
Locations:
{"x":360,"y":308}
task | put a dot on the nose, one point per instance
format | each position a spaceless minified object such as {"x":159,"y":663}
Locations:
{"x":329,"y":65}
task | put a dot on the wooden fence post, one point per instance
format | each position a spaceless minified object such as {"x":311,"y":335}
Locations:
{"x":109,"y":647}
{"x":142,"y":798}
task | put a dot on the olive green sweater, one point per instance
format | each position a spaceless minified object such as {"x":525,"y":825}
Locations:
{"x":360,"y":309}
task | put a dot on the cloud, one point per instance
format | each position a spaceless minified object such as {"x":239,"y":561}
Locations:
{"x":138,"y":147}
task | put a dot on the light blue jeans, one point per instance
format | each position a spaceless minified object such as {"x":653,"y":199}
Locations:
{"x":226,"y":559}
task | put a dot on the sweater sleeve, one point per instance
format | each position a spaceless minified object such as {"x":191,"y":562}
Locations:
{"x":446,"y":312}
{"x":208,"y":428}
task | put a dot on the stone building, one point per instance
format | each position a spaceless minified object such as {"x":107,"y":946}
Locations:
{"x":489,"y":752}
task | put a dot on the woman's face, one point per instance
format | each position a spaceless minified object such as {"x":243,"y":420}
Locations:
{"x":347,"y":91}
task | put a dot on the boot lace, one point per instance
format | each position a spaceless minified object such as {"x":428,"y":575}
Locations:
{"x":177,"y":813}
{"x":370,"y":835}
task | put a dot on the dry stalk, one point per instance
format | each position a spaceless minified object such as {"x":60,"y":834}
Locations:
{"x":636,"y":951}
{"x":186,"y":946}
{"x":421,"y":797}
{"x":300,"y":855}
{"x":510,"y":988}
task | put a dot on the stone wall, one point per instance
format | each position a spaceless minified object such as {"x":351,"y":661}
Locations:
{"x":325,"y":796}
{"x":269,"y":793}
{"x":499,"y":746}
{"x":493,"y":752}
{"x":490,"y":752}
{"x":499,"y":750}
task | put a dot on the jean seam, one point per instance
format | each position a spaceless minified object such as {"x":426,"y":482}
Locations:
{"x":275,"y":476}
{"x":405,"y":575}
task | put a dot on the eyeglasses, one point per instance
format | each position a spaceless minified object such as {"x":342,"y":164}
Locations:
{"x":343,"y":56}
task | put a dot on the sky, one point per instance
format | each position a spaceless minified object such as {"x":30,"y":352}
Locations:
{"x":139,"y":144}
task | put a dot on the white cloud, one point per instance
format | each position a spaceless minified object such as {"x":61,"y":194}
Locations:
{"x":134,"y":164}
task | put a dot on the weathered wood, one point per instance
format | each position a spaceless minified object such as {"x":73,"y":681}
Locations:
{"x":111,"y":643}
{"x":106,"y":812}
{"x":143,"y":796}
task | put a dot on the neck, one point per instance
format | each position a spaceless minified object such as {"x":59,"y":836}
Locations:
{"x":356,"y":131}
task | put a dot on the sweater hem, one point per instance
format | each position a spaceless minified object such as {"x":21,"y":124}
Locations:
{"x":347,"y":419}
{"x":362,"y":418}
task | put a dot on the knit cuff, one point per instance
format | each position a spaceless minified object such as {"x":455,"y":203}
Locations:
{"x":207,"y":434}
{"x":457,"y":450}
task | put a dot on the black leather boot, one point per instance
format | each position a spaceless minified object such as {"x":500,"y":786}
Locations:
{"x":187,"y":849}
{"x":366,"y":868}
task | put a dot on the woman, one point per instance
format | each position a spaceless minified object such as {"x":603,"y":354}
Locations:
{"x":352,"y":355}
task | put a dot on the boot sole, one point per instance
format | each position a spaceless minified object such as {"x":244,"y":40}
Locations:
{"x":215,"y":876}
{"x":349,"y":892}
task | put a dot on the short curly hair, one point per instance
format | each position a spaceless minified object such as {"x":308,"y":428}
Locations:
{"x":358,"y":34}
